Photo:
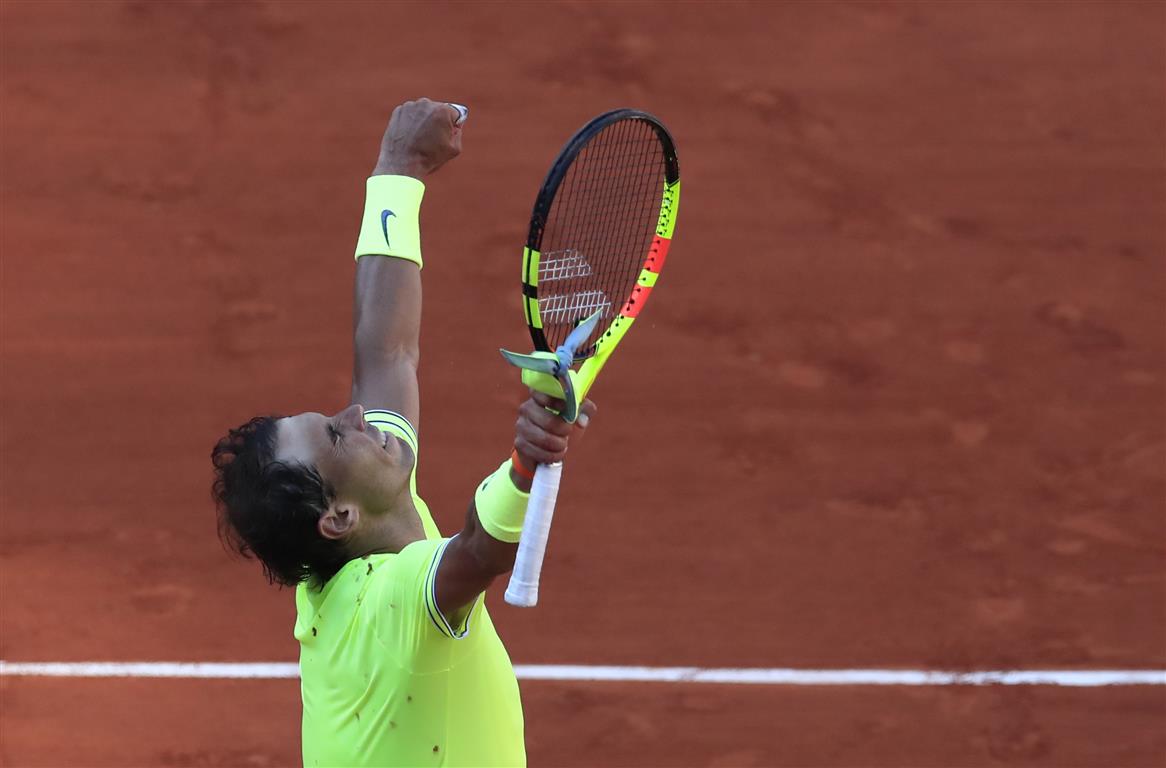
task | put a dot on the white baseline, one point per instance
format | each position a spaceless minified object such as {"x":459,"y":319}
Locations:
{"x":1076,"y":678}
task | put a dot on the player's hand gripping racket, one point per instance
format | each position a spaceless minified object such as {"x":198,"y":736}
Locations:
{"x":599,"y":234}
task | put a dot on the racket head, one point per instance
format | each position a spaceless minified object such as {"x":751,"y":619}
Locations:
{"x":599,"y":231}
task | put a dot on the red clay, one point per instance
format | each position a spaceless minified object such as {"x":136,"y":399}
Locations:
{"x":899,"y":400}
{"x":254,"y":723}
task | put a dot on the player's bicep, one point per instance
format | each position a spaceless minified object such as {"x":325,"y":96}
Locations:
{"x":452,"y":610}
{"x":459,"y":581}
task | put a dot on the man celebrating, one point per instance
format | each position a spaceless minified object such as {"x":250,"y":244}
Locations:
{"x":400,"y":663}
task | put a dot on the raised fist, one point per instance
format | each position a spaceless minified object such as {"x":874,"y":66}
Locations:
{"x":422,"y":136}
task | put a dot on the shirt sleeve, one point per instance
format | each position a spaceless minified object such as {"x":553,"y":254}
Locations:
{"x":395,"y":424}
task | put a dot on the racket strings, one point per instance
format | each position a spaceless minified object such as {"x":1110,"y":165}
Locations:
{"x":599,"y":229}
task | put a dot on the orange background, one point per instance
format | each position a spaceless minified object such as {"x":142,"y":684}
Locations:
{"x":900,"y":400}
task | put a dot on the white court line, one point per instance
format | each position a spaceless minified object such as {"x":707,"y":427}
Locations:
{"x":1076,"y":678}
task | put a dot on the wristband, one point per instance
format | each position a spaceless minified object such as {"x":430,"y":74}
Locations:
{"x":501,"y":507}
{"x":389,"y":226}
{"x":519,"y":467}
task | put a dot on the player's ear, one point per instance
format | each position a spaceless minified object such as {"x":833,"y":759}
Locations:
{"x":339,"y":521}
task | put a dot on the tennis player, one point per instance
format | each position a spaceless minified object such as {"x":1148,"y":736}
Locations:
{"x":399,"y":660}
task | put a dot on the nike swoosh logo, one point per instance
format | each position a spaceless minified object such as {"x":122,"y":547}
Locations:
{"x":385,"y":214}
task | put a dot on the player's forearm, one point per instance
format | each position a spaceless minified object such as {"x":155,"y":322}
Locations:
{"x":386,"y":334}
{"x":496,"y":557}
{"x":387,"y":311}
{"x":493,"y":556}
{"x":472,"y":560}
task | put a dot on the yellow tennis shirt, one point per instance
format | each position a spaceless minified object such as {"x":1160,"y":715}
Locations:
{"x":386,"y":679}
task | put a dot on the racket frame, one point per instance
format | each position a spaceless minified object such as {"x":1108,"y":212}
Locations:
{"x":593,"y":363}
{"x":522,"y":590}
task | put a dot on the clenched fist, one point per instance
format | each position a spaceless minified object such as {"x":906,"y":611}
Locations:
{"x":421,"y":137}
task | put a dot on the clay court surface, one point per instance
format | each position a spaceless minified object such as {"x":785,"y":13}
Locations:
{"x":898,"y":403}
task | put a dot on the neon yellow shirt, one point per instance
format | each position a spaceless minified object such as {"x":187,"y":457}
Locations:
{"x":386,"y":679}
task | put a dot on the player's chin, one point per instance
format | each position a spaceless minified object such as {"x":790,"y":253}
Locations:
{"x":397,"y":460}
{"x":390,"y":462}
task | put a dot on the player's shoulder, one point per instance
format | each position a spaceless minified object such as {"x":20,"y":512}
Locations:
{"x":420,"y":553}
{"x":406,"y":570}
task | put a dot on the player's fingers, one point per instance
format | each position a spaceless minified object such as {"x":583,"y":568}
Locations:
{"x":549,"y":421}
{"x":537,"y":453}
{"x":537,"y":435}
{"x":396,"y":115}
{"x":546,"y":401}
{"x":587,"y":411}
{"x":458,"y":113}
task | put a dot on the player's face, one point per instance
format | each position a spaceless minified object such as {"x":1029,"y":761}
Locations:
{"x":361,"y":463}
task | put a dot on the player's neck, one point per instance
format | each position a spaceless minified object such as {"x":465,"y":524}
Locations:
{"x":394,"y":530}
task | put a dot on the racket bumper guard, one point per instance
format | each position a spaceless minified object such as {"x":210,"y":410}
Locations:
{"x":541,"y":372}
{"x":536,"y":362}
{"x":551,"y":373}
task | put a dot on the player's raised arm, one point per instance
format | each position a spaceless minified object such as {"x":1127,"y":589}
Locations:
{"x":421,"y":136}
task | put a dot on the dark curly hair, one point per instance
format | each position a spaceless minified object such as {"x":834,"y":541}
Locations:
{"x":269,"y":509}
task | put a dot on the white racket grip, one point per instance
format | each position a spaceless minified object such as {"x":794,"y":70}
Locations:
{"x":532,"y":545}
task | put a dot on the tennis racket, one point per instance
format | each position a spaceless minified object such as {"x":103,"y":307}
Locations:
{"x":599,"y":234}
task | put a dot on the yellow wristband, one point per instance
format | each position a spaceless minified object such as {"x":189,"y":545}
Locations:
{"x":501,"y":507}
{"x":389,"y":226}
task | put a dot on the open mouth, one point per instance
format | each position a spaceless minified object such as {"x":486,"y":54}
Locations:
{"x":382,"y":436}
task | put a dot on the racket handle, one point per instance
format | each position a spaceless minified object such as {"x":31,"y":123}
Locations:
{"x":528,"y":563}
